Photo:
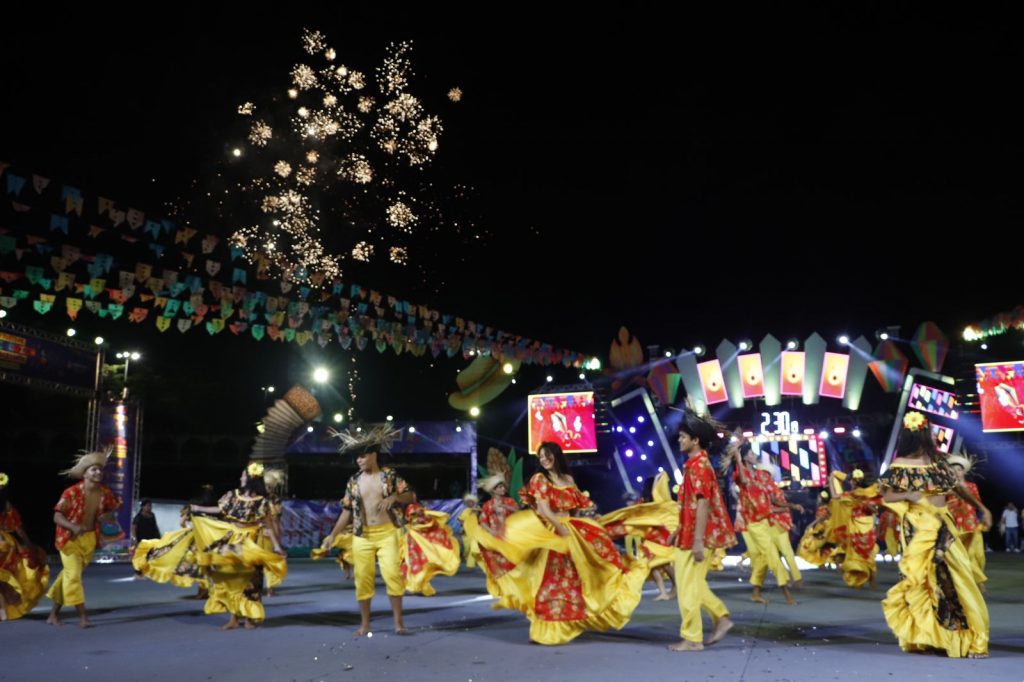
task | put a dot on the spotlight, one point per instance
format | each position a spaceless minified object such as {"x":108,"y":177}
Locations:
{"x":3,"y":314}
{"x":746,"y":344}
{"x":99,"y":340}
{"x":629,"y":453}
{"x":309,"y":429}
{"x":856,"y":433}
{"x":839,"y":430}
{"x":321,"y":375}
{"x":650,"y":443}
{"x":236,"y":152}
{"x":823,"y":435}
{"x":639,"y":479}
{"x":458,"y":429}
{"x":507,"y":368}
{"x":884,"y":336}
{"x":844,"y":340}
{"x":338,"y":417}
{"x":71,"y":332}
{"x":582,"y":376}
{"x":669,"y":352}
{"x":390,"y":418}
{"x":640,"y":419}
{"x":643,"y":457}
{"x":792,"y":344}
{"x":698,"y":351}
{"x":549,"y":379}
{"x":984,"y":346}
{"x":474,"y":411}
{"x":632,"y":429}
{"x":412,"y":429}
{"x":618,"y":429}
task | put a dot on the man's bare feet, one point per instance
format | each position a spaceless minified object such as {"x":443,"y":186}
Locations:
{"x":362,"y":631}
{"x":756,"y":596}
{"x":686,"y":645}
{"x":231,"y":624}
{"x":401,"y":630}
{"x":664,"y":596}
{"x":85,"y":623}
{"x":54,"y":619}
{"x":789,"y":596}
{"x":250,"y":624}
{"x":721,"y":628}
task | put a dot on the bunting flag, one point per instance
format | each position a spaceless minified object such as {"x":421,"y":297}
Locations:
{"x":53,"y":252}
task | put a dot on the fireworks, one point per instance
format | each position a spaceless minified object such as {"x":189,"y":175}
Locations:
{"x":313,"y":41}
{"x":401,"y":216}
{"x":352,"y":146}
{"x":303,"y":77}
{"x":260,"y":134}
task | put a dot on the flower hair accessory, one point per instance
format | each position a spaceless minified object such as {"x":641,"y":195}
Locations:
{"x":915,"y":421}
{"x":4,"y":479}
{"x":858,"y":474}
{"x":255,"y":469}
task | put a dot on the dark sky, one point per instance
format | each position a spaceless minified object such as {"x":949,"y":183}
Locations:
{"x":691,"y":176}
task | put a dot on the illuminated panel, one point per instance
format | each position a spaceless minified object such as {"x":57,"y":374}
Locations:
{"x":833,"y":376}
{"x":752,"y":374}
{"x":712,"y":382}
{"x":792,"y":373}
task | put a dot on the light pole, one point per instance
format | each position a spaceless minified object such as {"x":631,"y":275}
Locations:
{"x":127,"y":356}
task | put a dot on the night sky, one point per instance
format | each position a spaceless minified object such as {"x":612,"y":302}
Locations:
{"x":691,"y":176}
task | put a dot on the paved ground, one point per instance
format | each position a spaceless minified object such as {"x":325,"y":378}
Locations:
{"x":155,"y":632}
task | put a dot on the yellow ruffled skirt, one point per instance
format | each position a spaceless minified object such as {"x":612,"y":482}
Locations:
{"x":170,"y":559}
{"x":567,"y":584}
{"x":858,"y":565}
{"x":24,"y":575}
{"x":424,"y":554}
{"x":235,"y":563}
{"x":937,"y":603}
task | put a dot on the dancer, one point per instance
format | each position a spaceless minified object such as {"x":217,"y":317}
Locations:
{"x":703,"y":528}
{"x":372,"y":497}
{"x":77,"y":516}
{"x":229,"y":550}
{"x":936,"y":605}
{"x":23,"y":570}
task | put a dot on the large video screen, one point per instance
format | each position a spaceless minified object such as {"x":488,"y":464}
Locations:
{"x":799,"y":457}
{"x":563,"y":418}
{"x":1001,"y":393}
{"x":934,"y":401}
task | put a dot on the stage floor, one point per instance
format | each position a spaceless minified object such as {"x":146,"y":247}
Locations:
{"x":156,"y":632}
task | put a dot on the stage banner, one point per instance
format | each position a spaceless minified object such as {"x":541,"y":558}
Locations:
{"x":305,"y":523}
{"x":35,"y":358}
{"x":118,"y":427}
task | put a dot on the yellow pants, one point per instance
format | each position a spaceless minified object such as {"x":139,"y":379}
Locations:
{"x":75,"y":556}
{"x":380,"y":543}
{"x":764,"y":555}
{"x":693,"y":594}
{"x":785,"y":548}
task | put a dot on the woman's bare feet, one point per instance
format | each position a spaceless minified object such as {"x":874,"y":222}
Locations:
{"x":664,"y":596}
{"x":363,"y":631}
{"x":231,"y":624}
{"x":54,"y":619}
{"x":756,"y":596}
{"x":250,"y":624}
{"x":686,"y":645}
{"x":789,"y":596}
